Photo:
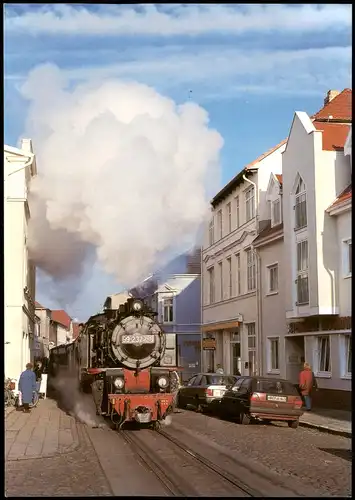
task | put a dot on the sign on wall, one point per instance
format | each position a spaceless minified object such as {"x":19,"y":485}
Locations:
{"x":209,"y":344}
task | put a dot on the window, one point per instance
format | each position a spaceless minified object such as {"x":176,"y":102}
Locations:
{"x":323,"y":351}
{"x":220,"y":224}
{"x":273,"y":272}
{"x":229,"y":217}
{"x":251,"y":271}
{"x":249,"y":203}
{"x":168,"y":310}
{"x":274,"y":355}
{"x":211,"y":232}
{"x":347,"y":258}
{"x":300,"y":205}
{"x":276,"y":212}
{"x":237,"y":258}
{"x":211,"y":284}
{"x":302,"y":272}
{"x":251,"y":335}
{"x":237,"y":214}
{"x":220,"y":269}
{"x":230,"y":278}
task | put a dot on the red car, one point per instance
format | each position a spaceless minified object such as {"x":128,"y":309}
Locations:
{"x":262,"y":398}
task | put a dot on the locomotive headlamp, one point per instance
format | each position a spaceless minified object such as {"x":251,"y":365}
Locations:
{"x":162,"y":382}
{"x":118,"y":383}
{"x":137,"y":306}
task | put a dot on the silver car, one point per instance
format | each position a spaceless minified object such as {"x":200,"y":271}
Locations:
{"x":204,"y":390}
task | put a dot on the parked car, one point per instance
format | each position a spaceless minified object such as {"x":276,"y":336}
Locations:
{"x":204,"y":390}
{"x":262,"y":398}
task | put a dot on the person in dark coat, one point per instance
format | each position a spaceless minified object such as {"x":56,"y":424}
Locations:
{"x":27,"y":386}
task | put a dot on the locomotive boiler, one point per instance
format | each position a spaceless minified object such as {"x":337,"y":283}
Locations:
{"x":117,"y":358}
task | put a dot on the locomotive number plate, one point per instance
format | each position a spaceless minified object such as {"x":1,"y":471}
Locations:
{"x":137,"y":339}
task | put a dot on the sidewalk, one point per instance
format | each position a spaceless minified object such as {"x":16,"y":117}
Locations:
{"x":45,"y":432}
{"x":332,"y":421}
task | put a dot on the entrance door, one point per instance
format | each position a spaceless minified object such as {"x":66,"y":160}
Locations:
{"x":294,"y":347}
{"x":236,"y":360}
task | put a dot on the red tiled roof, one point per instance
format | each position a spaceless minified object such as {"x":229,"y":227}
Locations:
{"x":76,"y":330}
{"x":334,"y":134}
{"x":345,"y":195}
{"x":267,"y":153}
{"x":339,"y":108}
{"x":61,"y":317}
{"x":268,"y":231}
{"x":279,"y":177}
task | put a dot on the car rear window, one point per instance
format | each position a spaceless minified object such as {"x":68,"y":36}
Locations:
{"x":275,"y":387}
{"x":220,"y":380}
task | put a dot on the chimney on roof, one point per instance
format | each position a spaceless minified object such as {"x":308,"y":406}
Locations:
{"x":330,"y":96}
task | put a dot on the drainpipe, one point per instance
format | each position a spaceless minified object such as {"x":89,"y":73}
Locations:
{"x":259,"y":312}
{"x":201,"y":311}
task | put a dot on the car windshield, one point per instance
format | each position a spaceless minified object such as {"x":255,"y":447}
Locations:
{"x":275,"y":387}
{"x":220,"y":380}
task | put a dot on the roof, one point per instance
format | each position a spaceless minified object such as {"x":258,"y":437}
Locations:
{"x":61,"y":317}
{"x":39,"y":306}
{"x":334,"y":135}
{"x":268,"y":232}
{"x":279,"y":177}
{"x":76,"y":330}
{"x":248,"y":169}
{"x":344,"y":196}
{"x":339,"y":108}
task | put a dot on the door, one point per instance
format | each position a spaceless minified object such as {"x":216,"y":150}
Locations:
{"x":229,"y":400}
{"x":243,"y":396}
{"x":236,"y":359}
{"x":184,"y":393}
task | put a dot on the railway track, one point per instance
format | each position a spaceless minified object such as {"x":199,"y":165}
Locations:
{"x":182,"y":471}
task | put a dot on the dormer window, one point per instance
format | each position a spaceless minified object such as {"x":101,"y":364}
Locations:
{"x":300,"y":205}
{"x":276,"y":212}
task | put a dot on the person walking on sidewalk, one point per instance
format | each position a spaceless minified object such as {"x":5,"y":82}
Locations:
{"x":38,"y":372}
{"x":27,"y":386}
{"x":219,"y":370}
{"x":306,"y":383}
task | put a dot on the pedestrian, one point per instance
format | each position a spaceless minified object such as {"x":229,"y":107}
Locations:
{"x":38,"y":372}
{"x":307,"y":382}
{"x":27,"y":386}
{"x":220,"y":370}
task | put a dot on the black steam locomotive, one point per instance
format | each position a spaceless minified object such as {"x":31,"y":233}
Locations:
{"x":117,"y":357}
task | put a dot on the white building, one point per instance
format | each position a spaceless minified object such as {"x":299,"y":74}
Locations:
{"x":45,"y":316}
{"x":61,"y":328}
{"x":229,"y":268}
{"x":317,"y":248}
{"x":20,"y":272}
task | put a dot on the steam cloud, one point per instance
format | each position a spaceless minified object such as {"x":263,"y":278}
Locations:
{"x":122,"y":170}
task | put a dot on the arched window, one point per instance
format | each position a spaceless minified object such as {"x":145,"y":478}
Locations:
{"x":300,"y":205}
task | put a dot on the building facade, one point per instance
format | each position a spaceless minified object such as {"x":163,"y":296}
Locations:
{"x":61,"y":328}
{"x":20,"y":272}
{"x":230,"y":318}
{"x":45,"y":316}
{"x":317,"y":248}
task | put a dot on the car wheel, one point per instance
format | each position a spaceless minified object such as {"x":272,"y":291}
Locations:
{"x":244,"y":419}
{"x":293,"y":424}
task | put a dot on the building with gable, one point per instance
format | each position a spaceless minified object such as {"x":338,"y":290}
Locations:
{"x":61,"y":328}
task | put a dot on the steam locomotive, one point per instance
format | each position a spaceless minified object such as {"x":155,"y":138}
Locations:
{"x":117,"y":358}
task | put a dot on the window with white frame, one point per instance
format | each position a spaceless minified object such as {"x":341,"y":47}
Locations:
{"x":211,"y":285}
{"x":276,"y":212}
{"x":347,"y":258}
{"x":220,"y":224}
{"x":211,"y":231}
{"x":274,"y":354}
{"x":230,"y":277}
{"x":251,"y":271}
{"x":300,"y":205}
{"x":323,"y":354}
{"x":302,"y":272}
{"x":238,"y":274}
{"x":250,"y":203}
{"x":220,"y":269}
{"x":229,"y":217}
{"x":168,"y":307}
{"x":237,"y":212}
{"x":273,"y":278}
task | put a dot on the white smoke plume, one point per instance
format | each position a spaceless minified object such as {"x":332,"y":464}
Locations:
{"x":122,"y":170}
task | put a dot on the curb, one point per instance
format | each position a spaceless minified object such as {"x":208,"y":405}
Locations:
{"x":328,"y":430}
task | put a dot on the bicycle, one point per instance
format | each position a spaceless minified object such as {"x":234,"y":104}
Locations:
{"x":10,"y":398}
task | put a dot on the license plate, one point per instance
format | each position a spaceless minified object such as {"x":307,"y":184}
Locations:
{"x":280,"y":399}
{"x":137,"y":339}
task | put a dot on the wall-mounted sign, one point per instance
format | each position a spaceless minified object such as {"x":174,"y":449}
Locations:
{"x":209,"y":344}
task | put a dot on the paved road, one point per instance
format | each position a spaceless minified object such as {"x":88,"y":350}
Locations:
{"x":322,"y":461}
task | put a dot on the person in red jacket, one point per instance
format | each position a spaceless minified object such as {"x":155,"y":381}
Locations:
{"x":306,"y":384}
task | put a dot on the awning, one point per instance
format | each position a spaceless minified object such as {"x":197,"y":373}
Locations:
{"x":225,"y":325}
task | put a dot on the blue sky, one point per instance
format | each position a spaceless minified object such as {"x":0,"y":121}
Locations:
{"x":250,"y":66}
